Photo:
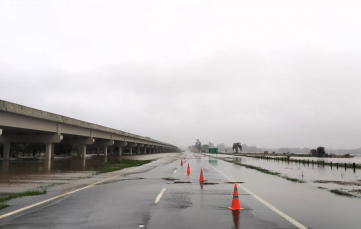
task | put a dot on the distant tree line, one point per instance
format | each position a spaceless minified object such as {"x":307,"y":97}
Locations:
{"x":254,"y":149}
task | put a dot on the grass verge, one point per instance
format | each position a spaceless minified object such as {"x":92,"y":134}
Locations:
{"x":270,"y":172}
{"x":293,"y":179}
{"x":3,"y":206}
{"x":18,"y":195}
{"x":341,"y":193}
{"x":258,"y":169}
{"x":46,"y":186}
{"x":115,"y":165}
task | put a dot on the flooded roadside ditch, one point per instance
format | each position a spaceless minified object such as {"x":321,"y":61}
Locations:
{"x":340,"y":181}
{"x":20,"y":178}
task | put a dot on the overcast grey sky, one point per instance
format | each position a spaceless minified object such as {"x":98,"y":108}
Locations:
{"x":267,"y":73}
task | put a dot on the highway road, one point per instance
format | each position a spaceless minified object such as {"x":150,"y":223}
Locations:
{"x":157,"y":195}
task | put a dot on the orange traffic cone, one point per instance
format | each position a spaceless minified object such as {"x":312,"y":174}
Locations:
{"x":181,"y":162}
{"x":235,"y":201}
{"x":201,"y":178}
{"x":188,"y":170}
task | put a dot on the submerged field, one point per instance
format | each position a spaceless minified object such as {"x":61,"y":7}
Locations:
{"x":340,"y":181}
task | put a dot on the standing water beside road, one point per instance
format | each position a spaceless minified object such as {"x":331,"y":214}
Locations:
{"x":316,"y":175}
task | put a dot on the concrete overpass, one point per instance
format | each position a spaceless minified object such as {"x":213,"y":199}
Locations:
{"x":21,"y":124}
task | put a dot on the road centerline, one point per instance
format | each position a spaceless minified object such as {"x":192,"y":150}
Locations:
{"x":159,"y":195}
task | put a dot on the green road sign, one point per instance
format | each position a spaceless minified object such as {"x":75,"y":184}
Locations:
{"x":213,"y":150}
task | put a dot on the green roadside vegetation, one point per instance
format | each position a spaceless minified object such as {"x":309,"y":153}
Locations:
{"x":115,"y":165}
{"x":258,"y":169}
{"x":45,"y":187}
{"x":3,"y":206}
{"x":6,"y":198}
{"x":341,"y":193}
{"x":293,"y":179}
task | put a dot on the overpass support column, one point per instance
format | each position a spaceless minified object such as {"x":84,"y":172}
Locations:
{"x":138,"y":150}
{"x":48,"y":150}
{"x":83,"y":151}
{"x":6,"y":151}
{"x":120,"y":150}
{"x":105,"y":150}
{"x":130,"y":150}
{"x":52,"y":151}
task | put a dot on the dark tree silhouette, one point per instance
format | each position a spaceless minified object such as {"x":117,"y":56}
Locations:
{"x":321,"y":151}
{"x":198,"y":145}
{"x":313,"y":152}
{"x":236,"y":146}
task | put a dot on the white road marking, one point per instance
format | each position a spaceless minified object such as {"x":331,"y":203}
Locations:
{"x":174,"y":171}
{"x":273,"y":208}
{"x":159,"y":195}
{"x":61,"y":195}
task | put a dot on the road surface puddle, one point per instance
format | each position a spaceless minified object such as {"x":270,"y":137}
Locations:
{"x":169,"y":179}
{"x":182,"y":182}
{"x":209,"y":183}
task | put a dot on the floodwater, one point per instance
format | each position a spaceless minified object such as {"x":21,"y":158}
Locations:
{"x":310,"y":172}
{"x":306,"y":203}
{"x":307,"y":172}
{"x":356,"y":160}
{"x":21,"y":167}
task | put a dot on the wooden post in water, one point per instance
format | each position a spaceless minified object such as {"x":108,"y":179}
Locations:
{"x":337,"y":165}
{"x":331,"y":164}
{"x":345,"y":166}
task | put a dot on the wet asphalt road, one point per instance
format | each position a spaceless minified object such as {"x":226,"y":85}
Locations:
{"x":130,"y":203}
